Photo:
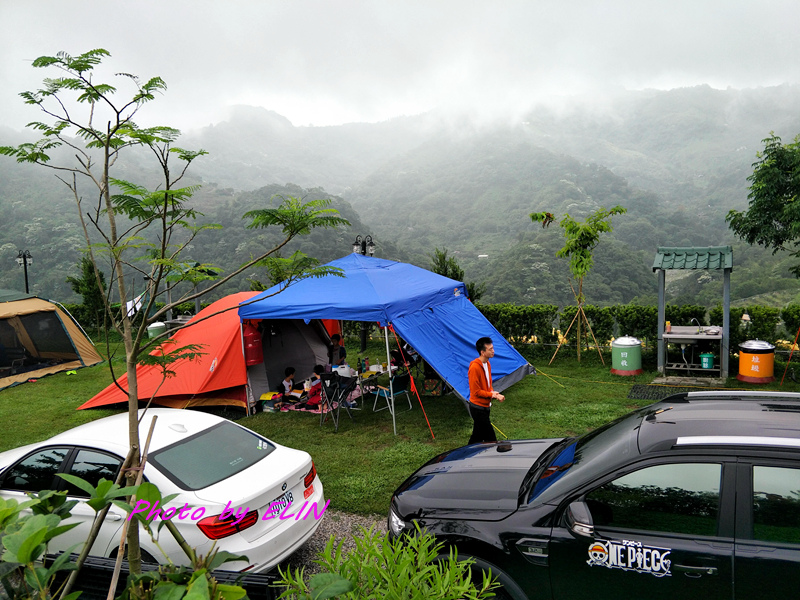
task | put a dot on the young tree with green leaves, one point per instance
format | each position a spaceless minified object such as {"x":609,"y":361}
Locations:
{"x":772,"y":218}
{"x":131,"y":231}
{"x":581,"y":239}
{"x":288,"y":270}
{"x":86,"y":285}
{"x":448,"y":266}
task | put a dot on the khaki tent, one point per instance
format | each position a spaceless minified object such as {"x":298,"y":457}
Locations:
{"x":38,"y":338}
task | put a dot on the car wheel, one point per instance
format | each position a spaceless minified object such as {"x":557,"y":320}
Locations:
{"x":508,"y":590}
{"x":500,"y":594}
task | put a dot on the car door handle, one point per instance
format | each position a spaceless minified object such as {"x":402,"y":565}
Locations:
{"x":81,"y":510}
{"x":695,"y":571}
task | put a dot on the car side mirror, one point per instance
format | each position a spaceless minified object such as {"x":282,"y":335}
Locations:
{"x":579,"y":519}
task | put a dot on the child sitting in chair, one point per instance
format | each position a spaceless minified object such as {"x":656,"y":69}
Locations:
{"x":315,"y":392}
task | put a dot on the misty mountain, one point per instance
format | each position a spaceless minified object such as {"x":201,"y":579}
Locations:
{"x":257,"y":147}
{"x":677,"y":160}
{"x":682,"y":143}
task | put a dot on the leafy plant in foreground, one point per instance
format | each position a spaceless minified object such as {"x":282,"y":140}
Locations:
{"x":412,"y":567}
{"x":23,"y":543}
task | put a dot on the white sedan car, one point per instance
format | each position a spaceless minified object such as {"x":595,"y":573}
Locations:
{"x":269,"y":496}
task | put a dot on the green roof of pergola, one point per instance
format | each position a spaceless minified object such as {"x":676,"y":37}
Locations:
{"x":712,"y":258}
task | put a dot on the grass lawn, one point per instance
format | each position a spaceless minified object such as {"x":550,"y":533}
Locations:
{"x":362,"y":464}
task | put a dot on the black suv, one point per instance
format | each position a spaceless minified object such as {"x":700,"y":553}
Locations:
{"x":696,"y":496}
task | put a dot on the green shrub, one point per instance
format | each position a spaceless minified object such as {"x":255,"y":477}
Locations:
{"x":411,"y":567}
{"x":519,"y":324}
{"x":683,"y":315}
{"x":637,"y":321}
{"x":26,"y":529}
{"x":763,"y":324}
{"x":791,"y":320}
{"x":602,"y":322}
{"x":522,"y":322}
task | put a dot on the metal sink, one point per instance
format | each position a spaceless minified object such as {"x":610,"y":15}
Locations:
{"x":688,"y":334}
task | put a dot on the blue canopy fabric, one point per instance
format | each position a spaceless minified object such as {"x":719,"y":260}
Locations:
{"x":430,"y":312}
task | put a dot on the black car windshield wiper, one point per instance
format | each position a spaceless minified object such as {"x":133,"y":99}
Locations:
{"x":541,"y":464}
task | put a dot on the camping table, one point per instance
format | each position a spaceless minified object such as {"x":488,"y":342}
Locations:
{"x":368,"y":381}
{"x":177,"y":322}
{"x":335,"y":390}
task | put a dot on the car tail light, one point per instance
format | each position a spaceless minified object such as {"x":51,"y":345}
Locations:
{"x":309,"y":479}
{"x":214,"y":529}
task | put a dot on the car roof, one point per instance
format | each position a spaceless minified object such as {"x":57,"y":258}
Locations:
{"x":172,"y":425}
{"x":725,"y":418}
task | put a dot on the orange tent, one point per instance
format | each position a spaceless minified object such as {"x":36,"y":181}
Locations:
{"x":220,"y":376}
{"x":216,"y":377}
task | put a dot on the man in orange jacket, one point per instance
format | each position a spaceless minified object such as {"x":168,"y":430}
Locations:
{"x":481,"y":393}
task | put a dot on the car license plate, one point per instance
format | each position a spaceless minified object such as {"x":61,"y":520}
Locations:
{"x":281,"y":503}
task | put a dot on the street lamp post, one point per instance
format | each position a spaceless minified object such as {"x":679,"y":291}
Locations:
{"x":364,"y":246}
{"x":24,"y":259}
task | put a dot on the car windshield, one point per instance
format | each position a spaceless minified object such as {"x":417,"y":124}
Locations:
{"x":211,"y":456}
{"x":590,"y":455}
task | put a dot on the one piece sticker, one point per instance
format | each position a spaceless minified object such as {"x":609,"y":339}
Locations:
{"x":630,"y":556}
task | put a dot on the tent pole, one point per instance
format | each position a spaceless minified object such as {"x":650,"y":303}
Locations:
{"x":389,"y":364}
{"x":247,"y":389}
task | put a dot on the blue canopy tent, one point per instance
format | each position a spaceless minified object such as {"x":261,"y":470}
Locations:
{"x":430,"y":312}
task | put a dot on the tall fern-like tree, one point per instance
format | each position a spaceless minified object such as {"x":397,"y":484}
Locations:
{"x":132,"y":231}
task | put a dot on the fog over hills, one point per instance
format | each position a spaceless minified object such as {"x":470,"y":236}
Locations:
{"x":257,"y":147}
{"x":677,"y":160}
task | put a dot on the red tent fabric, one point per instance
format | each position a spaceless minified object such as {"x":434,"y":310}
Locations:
{"x":332,"y":326}
{"x":217,"y":377}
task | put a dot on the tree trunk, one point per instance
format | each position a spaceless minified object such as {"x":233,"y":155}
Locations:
{"x":580,"y":315}
{"x":134,"y":553}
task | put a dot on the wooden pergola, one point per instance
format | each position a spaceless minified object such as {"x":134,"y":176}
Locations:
{"x":711,"y":258}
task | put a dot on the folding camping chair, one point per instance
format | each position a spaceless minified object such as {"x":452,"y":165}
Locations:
{"x":17,"y":357}
{"x":335,"y":390}
{"x":399,"y":385}
{"x":407,"y":357}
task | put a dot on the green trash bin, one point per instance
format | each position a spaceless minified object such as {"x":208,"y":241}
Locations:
{"x":156,"y":329}
{"x":707,"y":360}
{"x":626,"y":356}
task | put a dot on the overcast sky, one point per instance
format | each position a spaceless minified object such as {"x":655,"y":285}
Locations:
{"x":336,"y":61}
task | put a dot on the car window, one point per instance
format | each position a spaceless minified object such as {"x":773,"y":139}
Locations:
{"x":587,"y":458}
{"x":211,"y":456}
{"x":92,"y":466}
{"x":776,"y":504}
{"x":36,"y":472}
{"x":676,"y":498}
